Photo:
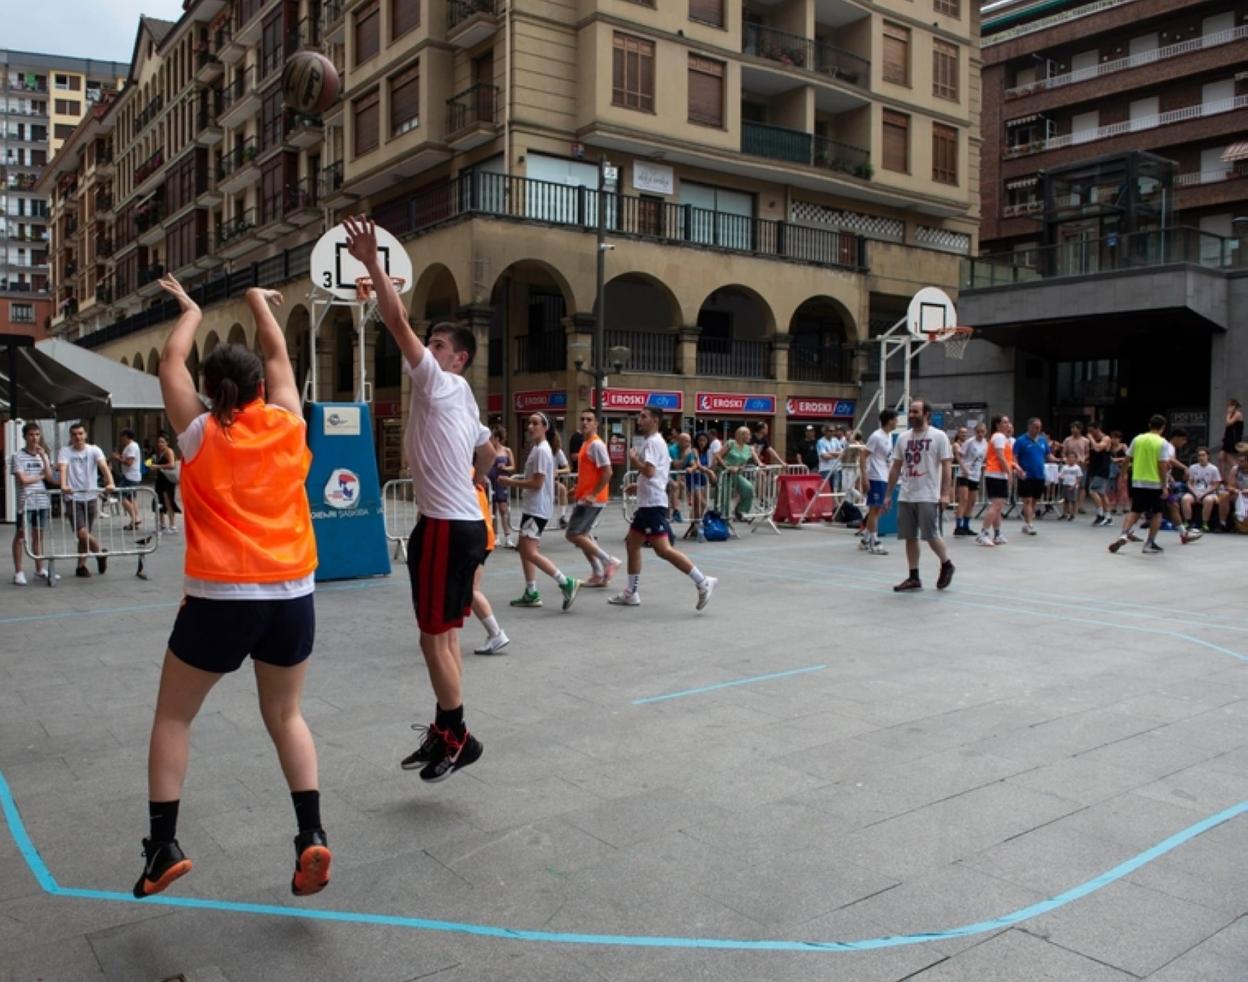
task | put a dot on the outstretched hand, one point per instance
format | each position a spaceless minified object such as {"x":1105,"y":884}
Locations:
{"x":178,"y":292}
{"x":361,"y":238}
{"x":273,"y":298}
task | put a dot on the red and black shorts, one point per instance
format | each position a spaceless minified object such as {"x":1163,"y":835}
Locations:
{"x":442,"y":559}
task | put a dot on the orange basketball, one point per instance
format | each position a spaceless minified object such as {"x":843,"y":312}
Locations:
{"x":309,"y":82}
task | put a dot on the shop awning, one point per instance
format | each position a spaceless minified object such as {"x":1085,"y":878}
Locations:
{"x":1236,"y":152}
{"x":60,"y":380}
{"x":1022,"y":119}
{"x":1022,"y":182}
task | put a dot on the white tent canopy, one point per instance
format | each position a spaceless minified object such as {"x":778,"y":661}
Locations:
{"x":57,"y":379}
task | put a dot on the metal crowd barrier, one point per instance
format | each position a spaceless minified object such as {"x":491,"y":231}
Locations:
{"x":399,"y":513}
{"x":51,"y":534}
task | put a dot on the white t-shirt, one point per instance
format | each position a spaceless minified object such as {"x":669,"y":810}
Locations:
{"x":1070,"y":475}
{"x":30,"y":464}
{"x":131,"y":456}
{"x":190,"y":442}
{"x":652,"y":491}
{"x":715,"y":447}
{"x":922,"y":456}
{"x":443,"y":432}
{"x":539,"y":502}
{"x":879,"y":451}
{"x":973,"y":454}
{"x":82,"y":471}
{"x":1202,"y":477}
{"x":561,"y":460}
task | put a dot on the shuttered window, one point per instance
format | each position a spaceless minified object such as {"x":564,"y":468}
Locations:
{"x":707,"y":11}
{"x":896,"y":141}
{"x":367,"y":123}
{"x":367,"y":32}
{"x":706,"y":91}
{"x":896,"y":54}
{"x":944,"y":154}
{"x":945,"y":70}
{"x":405,"y":100}
{"x":404,"y":15}
{"x":632,"y":73}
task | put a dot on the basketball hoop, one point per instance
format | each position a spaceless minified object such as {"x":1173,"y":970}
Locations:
{"x":954,"y":339}
{"x":364,"y":286}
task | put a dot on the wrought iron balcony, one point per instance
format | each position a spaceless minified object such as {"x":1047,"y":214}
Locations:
{"x":796,"y":51}
{"x":474,"y":106}
{"x":797,"y":147}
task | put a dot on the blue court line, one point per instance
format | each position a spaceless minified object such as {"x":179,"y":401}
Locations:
{"x":48,"y":882}
{"x":947,"y":599}
{"x":725,"y":685}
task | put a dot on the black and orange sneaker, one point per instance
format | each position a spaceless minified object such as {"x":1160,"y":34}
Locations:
{"x":432,"y":747}
{"x":457,"y":752}
{"x":164,"y":862}
{"x":312,"y":860}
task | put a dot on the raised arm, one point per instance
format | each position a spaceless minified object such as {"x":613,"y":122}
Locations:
{"x":177,"y":387}
{"x":280,"y":387}
{"x":362,"y":244}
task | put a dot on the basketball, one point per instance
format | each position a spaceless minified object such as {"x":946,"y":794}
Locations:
{"x":309,"y":82}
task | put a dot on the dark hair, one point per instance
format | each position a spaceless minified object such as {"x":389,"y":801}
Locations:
{"x":887,"y":416}
{"x":29,"y":428}
{"x":127,"y":434}
{"x":552,"y":437}
{"x":499,"y":433}
{"x":1116,"y":434}
{"x":1157,"y":422}
{"x":655,"y":413}
{"x":460,"y":336}
{"x":702,"y":435}
{"x":1178,"y":434}
{"x":162,"y":435}
{"x":78,"y":426}
{"x":995,"y":422}
{"x":1094,"y":424}
{"x":232,"y":377}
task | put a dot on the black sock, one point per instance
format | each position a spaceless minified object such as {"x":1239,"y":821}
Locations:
{"x":163,"y":816}
{"x":914,"y":574}
{"x":307,"y":810}
{"x":451,"y":719}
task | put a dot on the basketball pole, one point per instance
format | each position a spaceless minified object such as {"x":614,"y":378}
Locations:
{"x":362,"y":311}
{"x":897,"y":339}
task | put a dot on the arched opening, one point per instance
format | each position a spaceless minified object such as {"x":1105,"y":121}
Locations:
{"x":435,"y":295}
{"x":298,"y":344}
{"x":643,"y":315}
{"x":125,"y":361}
{"x":340,"y":327}
{"x":153,"y":362}
{"x":210,"y":343}
{"x":138,"y":363}
{"x":237,"y":335}
{"x":734,"y":324}
{"x":820,"y":349}
{"x":531,"y":299}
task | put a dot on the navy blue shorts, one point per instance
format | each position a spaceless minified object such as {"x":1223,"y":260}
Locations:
{"x":218,"y":635}
{"x":876,"y":491}
{"x":652,"y":523}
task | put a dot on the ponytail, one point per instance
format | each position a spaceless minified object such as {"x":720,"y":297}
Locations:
{"x":232,"y":377}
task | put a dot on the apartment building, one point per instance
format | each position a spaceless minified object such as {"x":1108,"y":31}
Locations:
{"x":782,"y":177}
{"x":1115,"y":200}
{"x":42,"y":99}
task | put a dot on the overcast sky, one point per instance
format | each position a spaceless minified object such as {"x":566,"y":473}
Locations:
{"x":102,"y":29}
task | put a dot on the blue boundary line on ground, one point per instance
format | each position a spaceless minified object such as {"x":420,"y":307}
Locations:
{"x":725,"y":685}
{"x":48,"y":883}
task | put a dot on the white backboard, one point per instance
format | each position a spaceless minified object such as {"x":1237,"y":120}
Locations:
{"x":333,"y":268}
{"x":930,"y":310}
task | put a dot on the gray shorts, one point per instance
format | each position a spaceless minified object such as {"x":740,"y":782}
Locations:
{"x":583,"y":518}
{"x":1100,"y":485}
{"x":918,"y":520}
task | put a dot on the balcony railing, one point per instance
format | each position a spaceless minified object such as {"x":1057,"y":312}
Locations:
{"x":811,"y":361}
{"x":525,"y":199}
{"x":331,"y":178}
{"x":103,"y":294}
{"x":1224,"y":173}
{"x":149,"y":167}
{"x":796,"y":147}
{"x":149,"y":217}
{"x":71,"y":225}
{"x":236,"y":227}
{"x":242,"y":154}
{"x":21,"y":85}
{"x":649,"y":351}
{"x":1131,"y":61}
{"x":1135,"y":250}
{"x":1199,"y":111}
{"x":1022,"y":208}
{"x":149,"y":113}
{"x":305,"y":34}
{"x":233,"y":92}
{"x":734,"y":358}
{"x":545,"y":352}
{"x":103,"y":248}
{"x":478,"y":104}
{"x":800,"y":52}
{"x":1044,"y":23}
{"x":458,"y":11}
{"x":205,"y":58}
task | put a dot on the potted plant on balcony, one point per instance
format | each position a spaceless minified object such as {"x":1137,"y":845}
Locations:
{"x":864,"y":170}
{"x":249,"y":153}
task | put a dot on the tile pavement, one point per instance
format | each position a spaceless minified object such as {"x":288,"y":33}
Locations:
{"x":961,"y":756}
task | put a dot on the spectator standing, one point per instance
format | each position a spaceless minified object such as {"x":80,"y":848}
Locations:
{"x":1099,"y":464}
{"x":807,"y":450}
{"x":734,"y":455}
{"x":80,"y":464}
{"x":970,"y":472}
{"x":1081,"y":446}
{"x":504,"y":465}
{"x":827,"y":458}
{"x":129,"y":459}
{"x":1070,"y":477}
{"x":1032,"y":452}
{"x":31,"y":469}
{"x":165,"y":464}
{"x":1232,"y":436}
{"x":716,"y":444}
{"x":761,"y":440}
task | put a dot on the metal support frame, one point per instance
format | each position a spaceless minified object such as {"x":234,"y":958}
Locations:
{"x":896,"y":339}
{"x":362,"y":311}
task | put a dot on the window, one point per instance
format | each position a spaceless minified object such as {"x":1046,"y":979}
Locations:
{"x":950,"y":8}
{"x":896,"y":54}
{"x":62,"y":82}
{"x":706,"y":91}
{"x":272,"y":52}
{"x":68,"y":107}
{"x":405,"y":101}
{"x":707,"y":11}
{"x":22,"y":313}
{"x":633,"y":73}
{"x":63,"y":131}
{"x":944,"y":154}
{"x":404,"y":16}
{"x":367,"y":32}
{"x":896,"y":142}
{"x":945,"y":70}
{"x":367,"y":123}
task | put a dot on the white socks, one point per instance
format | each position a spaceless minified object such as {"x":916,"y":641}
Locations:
{"x":695,"y":574}
{"x":491,"y":626}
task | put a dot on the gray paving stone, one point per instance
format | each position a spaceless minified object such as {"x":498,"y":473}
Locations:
{"x":70,"y":960}
{"x":1220,"y":958}
{"x":1016,"y":956}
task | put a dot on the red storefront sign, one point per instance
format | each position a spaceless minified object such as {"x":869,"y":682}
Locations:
{"x":632,"y":400}
{"x":390,"y":408}
{"x":541,"y":401}
{"x":494,"y":402}
{"x":735,"y":402}
{"x":818,"y":407}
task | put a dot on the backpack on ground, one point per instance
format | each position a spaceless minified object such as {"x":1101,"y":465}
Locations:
{"x":714,"y":528}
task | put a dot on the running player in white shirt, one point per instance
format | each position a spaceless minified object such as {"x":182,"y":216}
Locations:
{"x":653,"y":465}
{"x":970,"y":471}
{"x":879,"y":450}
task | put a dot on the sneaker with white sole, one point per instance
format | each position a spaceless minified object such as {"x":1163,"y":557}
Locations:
{"x":1000,"y":540}
{"x":530,"y":598}
{"x":1028,"y":530}
{"x":1152,"y":549}
{"x":457,"y":752}
{"x":19,"y":579}
{"x":570,"y":588}
{"x":875,"y":549}
{"x":625,"y":599}
{"x":983,"y":540}
{"x":705,"y":590}
{"x":864,"y":544}
{"x":595,"y":582}
{"x":43,"y":574}
{"x":494,"y":645}
{"x":610,"y":568}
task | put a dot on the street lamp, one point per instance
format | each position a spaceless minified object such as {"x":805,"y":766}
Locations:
{"x":606,"y":174}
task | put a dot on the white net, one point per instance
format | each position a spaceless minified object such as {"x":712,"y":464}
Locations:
{"x":955,"y":341}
